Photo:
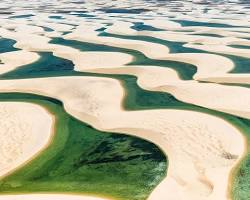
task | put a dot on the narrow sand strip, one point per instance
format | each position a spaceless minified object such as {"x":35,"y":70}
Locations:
{"x":232,"y":101}
{"x":33,"y":42}
{"x":221,"y":65}
{"x":13,"y":60}
{"x":177,"y":36}
{"x":217,"y":67}
{"x":190,"y":139}
{"x":222,"y":49}
{"x":204,"y":189}
{"x":21,"y":138}
{"x":209,"y":95}
{"x":230,"y":104}
{"x":151,"y":50}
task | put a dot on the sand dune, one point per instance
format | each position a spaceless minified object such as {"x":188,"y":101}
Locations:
{"x":13,"y":60}
{"x":91,"y":103}
{"x":222,"y":49}
{"x":177,"y":36}
{"x":200,"y":158}
{"x":21,"y":138}
{"x":190,"y":90}
{"x":151,"y":50}
{"x":33,"y":42}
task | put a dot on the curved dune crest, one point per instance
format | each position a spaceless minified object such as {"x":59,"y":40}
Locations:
{"x":89,"y":60}
{"x":13,"y":60}
{"x":202,"y":149}
{"x":176,"y":36}
{"x":220,"y":48}
{"x":217,"y":67}
{"x":25,"y":130}
{"x":190,"y":139}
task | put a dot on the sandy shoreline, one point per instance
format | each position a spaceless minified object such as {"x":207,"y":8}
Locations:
{"x":188,"y":137}
{"x":26,"y":128}
{"x":143,"y":124}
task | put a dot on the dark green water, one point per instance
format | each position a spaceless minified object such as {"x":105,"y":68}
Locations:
{"x":138,"y":98}
{"x":208,"y":34}
{"x":185,"y":70}
{"x":140,"y":26}
{"x":21,"y":16}
{"x":240,"y":46}
{"x":174,"y":47}
{"x":7,"y":45}
{"x":242,"y":65}
{"x":123,"y":10}
{"x":83,"y":15}
{"x":82,"y":159}
{"x":46,"y":64}
{"x":56,"y":17}
{"x":206,"y":24}
{"x":47,"y":29}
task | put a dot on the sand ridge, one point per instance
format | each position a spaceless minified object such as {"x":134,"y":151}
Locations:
{"x":208,"y":161}
{"x":100,"y":111}
{"x":21,"y":138}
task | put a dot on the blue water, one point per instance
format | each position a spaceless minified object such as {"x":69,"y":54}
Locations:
{"x":56,"y":17}
{"x":140,"y":26}
{"x":83,"y":15}
{"x":123,"y":10}
{"x":21,"y":16}
{"x":206,"y":24}
{"x":7,"y":45}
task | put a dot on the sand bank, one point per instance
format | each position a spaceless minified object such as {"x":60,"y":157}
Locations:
{"x":190,"y":139}
{"x":151,"y":50}
{"x":121,"y":59}
{"x":222,"y":49}
{"x":21,"y":138}
{"x":229,"y":78}
{"x":218,"y":65}
{"x":229,"y":99}
{"x":13,"y":60}
{"x":180,"y":36}
{"x":90,"y":101}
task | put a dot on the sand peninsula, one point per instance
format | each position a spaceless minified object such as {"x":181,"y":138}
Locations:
{"x":205,"y":176}
{"x":21,"y":138}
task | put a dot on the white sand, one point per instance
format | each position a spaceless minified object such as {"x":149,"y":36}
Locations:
{"x":20,"y":137}
{"x":121,"y":59}
{"x":92,"y":60}
{"x":220,"y":66}
{"x":200,"y":158}
{"x":151,"y":50}
{"x":187,"y":137}
{"x":15,"y":59}
{"x":222,"y":49}
{"x":176,"y":36}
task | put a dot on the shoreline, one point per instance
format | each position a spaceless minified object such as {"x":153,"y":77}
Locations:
{"x":237,"y":166}
{"x":52,"y":134}
{"x":92,"y":119}
{"x":129,"y":130}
